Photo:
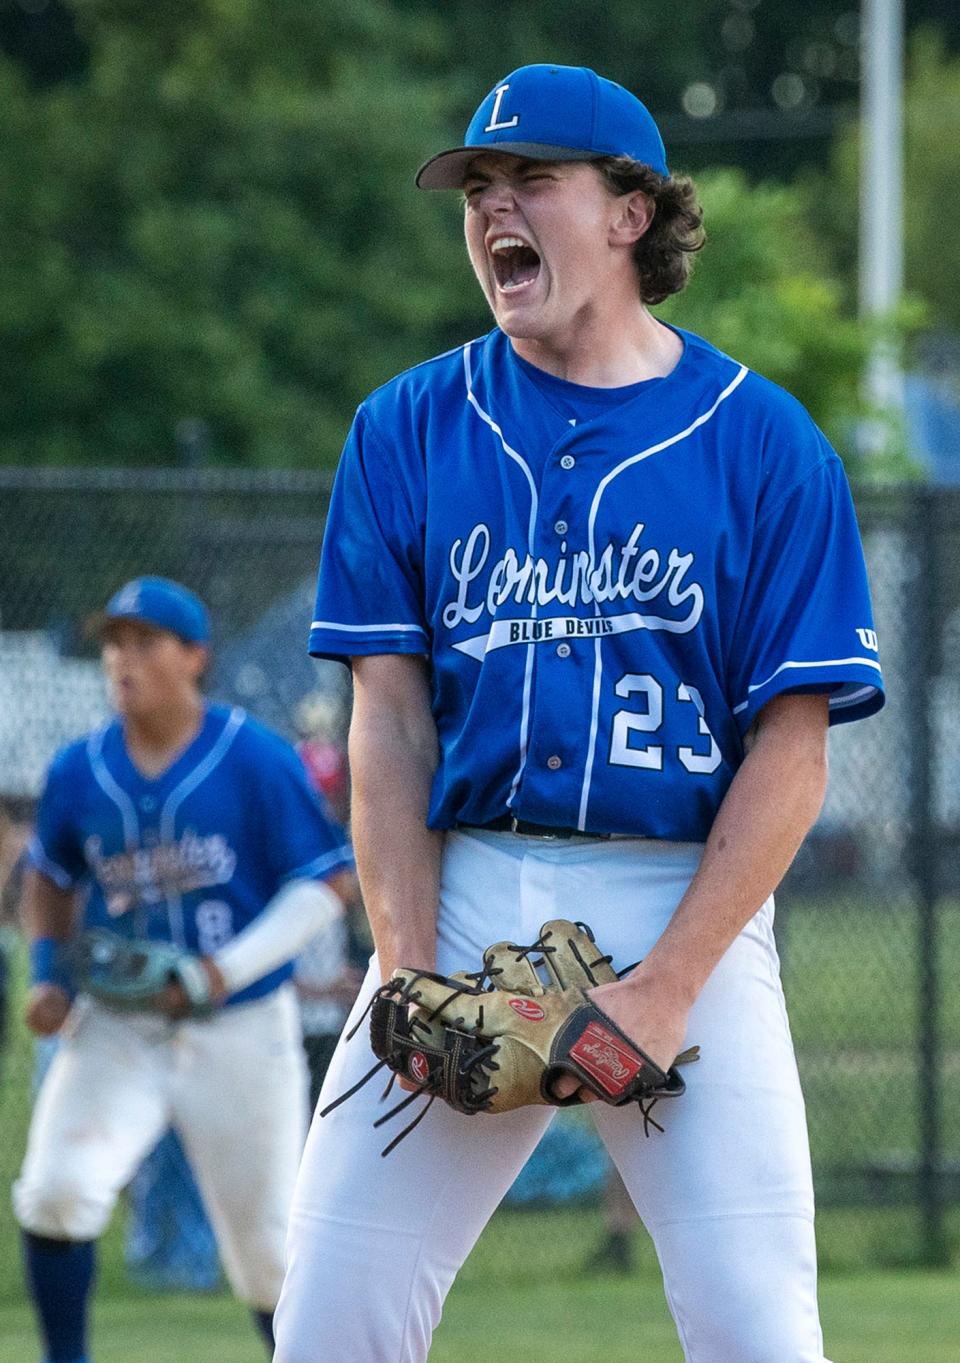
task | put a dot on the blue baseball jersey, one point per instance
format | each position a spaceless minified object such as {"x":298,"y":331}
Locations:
{"x":609,"y":586}
{"x":193,"y":855}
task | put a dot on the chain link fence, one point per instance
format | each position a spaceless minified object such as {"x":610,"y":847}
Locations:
{"x":868,"y":919}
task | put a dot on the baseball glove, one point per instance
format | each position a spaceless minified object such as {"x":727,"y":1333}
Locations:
{"x":131,"y":976}
{"x":501,"y":1038}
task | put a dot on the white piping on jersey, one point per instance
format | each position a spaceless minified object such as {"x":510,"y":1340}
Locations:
{"x":176,"y":797}
{"x":699,"y":421}
{"x":51,"y":869}
{"x":128,"y":812}
{"x":594,"y":724}
{"x":531,"y":533}
{"x":113,"y":791}
{"x":820,"y":662}
{"x":655,"y":449}
{"x":848,"y":698}
{"x":507,"y":449}
{"x":316,"y":868}
{"x":365,"y":629}
{"x":524,"y":717}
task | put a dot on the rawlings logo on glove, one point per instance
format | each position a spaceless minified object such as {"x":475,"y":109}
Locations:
{"x":503,"y":1037}
{"x":612,"y":1065}
{"x":528,"y":1009}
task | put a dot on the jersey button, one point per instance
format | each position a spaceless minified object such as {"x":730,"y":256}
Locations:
{"x":561,"y":527}
{"x":554,"y":762}
{"x":567,"y":462}
{"x":148,"y":804}
{"x":563,"y":650}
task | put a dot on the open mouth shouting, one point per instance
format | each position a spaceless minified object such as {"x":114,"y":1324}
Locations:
{"x":515,"y":263}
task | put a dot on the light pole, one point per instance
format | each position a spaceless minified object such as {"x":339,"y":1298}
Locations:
{"x":881,"y":204}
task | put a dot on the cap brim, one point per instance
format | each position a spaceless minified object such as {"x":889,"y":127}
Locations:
{"x":448,"y":169}
{"x":96,"y":626}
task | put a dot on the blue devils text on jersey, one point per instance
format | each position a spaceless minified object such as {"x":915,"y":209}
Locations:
{"x":609,"y":584}
{"x":193,"y":855}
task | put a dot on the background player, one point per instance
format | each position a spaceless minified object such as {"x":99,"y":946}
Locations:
{"x":602,"y":590}
{"x":185,"y":822}
{"x":327,"y":982}
{"x":327,"y":973}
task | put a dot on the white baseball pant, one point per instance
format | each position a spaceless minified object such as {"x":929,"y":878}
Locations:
{"x":233,"y":1085}
{"x":725,"y":1191}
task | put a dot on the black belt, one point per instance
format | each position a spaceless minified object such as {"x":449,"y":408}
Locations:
{"x":508,"y":823}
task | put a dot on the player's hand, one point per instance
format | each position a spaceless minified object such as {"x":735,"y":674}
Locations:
{"x":648,"y":1014}
{"x":175,"y":1004}
{"x":47,"y":1008}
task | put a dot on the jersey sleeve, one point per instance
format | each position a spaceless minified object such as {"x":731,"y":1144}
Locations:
{"x":369,"y":590}
{"x":304,"y":841}
{"x":805,"y":621}
{"x":55,"y":848}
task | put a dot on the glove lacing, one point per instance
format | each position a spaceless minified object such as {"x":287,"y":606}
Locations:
{"x":542,"y":944}
{"x":483,"y":1057}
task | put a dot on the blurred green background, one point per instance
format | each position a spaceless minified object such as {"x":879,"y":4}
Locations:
{"x":530,"y":1281}
{"x":212,"y":247}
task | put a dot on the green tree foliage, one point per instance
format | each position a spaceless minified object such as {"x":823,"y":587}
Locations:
{"x":218,"y":224}
{"x":932,"y":195}
{"x":931,"y":189}
{"x":616,"y":37}
{"x":778,"y":59}
{"x":761,"y":294}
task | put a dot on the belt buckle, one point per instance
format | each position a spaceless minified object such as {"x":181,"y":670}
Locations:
{"x":515,"y":827}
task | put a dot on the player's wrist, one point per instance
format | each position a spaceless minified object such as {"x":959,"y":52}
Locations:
{"x":405,"y":952}
{"x":218,"y":985}
{"x":48,"y":990}
{"x":671,"y":989}
{"x":48,"y":964}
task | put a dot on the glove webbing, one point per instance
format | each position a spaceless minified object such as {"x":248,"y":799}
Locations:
{"x":542,"y":944}
{"x":399,"y":998}
{"x":483,"y":1057}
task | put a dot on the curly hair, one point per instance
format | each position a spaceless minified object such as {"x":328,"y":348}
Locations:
{"x":664,"y":254}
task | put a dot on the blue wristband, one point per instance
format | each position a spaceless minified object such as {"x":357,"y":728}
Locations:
{"x":46,"y":962}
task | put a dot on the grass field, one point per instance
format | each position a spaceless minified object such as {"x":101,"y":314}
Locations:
{"x":851,"y":985}
{"x":889,"y":1317}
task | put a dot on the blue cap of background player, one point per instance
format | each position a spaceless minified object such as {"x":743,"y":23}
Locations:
{"x":552,"y":113}
{"x":161,"y":603}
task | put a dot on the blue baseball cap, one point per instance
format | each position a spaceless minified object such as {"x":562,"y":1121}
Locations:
{"x":161,"y":603}
{"x":552,"y":113}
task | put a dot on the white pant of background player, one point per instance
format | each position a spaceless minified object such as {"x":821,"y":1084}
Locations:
{"x":725,"y":1191}
{"x":234,"y":1086}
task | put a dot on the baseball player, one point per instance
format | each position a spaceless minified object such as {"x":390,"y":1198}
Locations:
{"x":602,"y":591}
{"x":181,"y":823}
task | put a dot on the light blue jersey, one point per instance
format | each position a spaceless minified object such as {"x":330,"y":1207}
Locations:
{"x":609,"y":586}
{"x":193,"y":855}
